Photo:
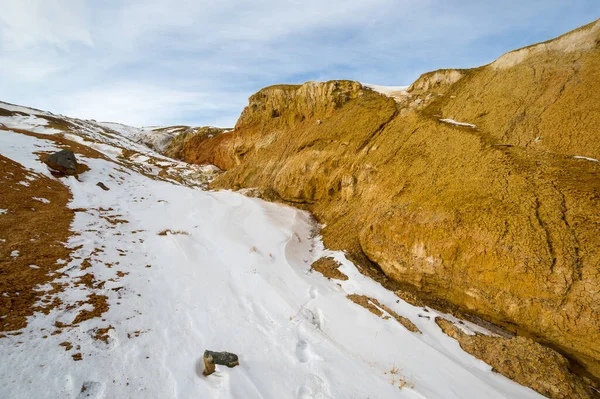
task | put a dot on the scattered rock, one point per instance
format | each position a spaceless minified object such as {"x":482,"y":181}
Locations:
{"x":524,"y":361}
{"x":223,"y":358}
{"x":102,"y":186}
{"x":63,"y":163}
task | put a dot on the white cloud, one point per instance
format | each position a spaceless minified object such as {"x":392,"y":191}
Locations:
{"x":32,"y":22}
{"x":169,"y":61}
{"x":28,"y":69}
{"x":137,"y":104}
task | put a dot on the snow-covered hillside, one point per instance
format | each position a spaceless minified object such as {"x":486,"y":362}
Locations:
{"x":155,"y":137}
{"x":396,"y":92}
{"x":184,"y":270}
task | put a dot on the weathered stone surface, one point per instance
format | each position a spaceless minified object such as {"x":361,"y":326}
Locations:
{"x":498,"y":220}
{"x":524,"y":361}
{"x":63,"y":162}
{"x":102,"y":186}
{"x":222,"y":358}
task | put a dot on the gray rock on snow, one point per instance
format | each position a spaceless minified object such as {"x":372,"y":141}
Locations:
{"x":223,"y":358}
{"x":63,"y":162}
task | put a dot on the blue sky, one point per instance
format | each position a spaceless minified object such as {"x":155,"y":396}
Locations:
{"x":161,"y":62}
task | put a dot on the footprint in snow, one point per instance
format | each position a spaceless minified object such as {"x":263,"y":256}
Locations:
{"x":314,"y":387}
{"x":314,"y":317}
{"x":91,"y":390}
{"x":104,"y":339}
{"x":303,"y":351}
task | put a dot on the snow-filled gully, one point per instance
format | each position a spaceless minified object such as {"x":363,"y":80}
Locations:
{"x":230,"y":273}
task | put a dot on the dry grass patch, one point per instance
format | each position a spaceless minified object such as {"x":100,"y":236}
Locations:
{"x":100,"y":306}
{"x":37,"y":231}
{"x":172,"y":232}
{"x":101,"y":334}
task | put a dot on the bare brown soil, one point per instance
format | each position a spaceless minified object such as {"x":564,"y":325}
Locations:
{"x":37,"y":231}
{"x":100,"y":306}
{"x":328,"y":267}
{"x":373,"y":306}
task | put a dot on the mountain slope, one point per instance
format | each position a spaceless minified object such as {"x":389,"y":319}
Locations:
{"x":478,"y":188}
{"x":152,"y":271}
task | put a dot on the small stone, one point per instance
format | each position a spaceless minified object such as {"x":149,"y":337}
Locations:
{"x":223,"y":358}
{"x":102,"y":186}
{"x":63,"y":162}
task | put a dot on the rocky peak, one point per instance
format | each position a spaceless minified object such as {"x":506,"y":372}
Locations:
{"x":291,"y":104}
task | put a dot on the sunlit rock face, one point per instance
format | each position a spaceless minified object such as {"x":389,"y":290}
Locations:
{"x":476,"y":187}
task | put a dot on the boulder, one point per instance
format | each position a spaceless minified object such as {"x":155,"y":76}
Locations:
{"x":63,"y":162}
{"x":223,"y":358}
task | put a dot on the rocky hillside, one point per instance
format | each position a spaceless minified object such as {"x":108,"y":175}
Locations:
{"x":119,"y":275}
{"x":478,"y":188}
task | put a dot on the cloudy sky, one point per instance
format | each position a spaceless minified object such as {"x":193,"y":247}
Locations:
{"x":159,"y":62}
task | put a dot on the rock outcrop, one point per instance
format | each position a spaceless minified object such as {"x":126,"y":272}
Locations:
{"x":184,"y":143}
{"x":524,"y":361}
{"x":496,"y":217}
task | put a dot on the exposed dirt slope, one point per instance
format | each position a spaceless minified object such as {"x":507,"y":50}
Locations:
{"x":498,"y":218}
{"x":34,"y":224}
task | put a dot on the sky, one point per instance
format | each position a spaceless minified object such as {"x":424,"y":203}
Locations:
{"x":196,"y":62}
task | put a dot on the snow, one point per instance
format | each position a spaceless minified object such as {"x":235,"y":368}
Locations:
{"x":585,"y":158}
{"x":390,"y":91}
{"x":44,"y":200}
{"x":234,"y":275}
{"x":26,"y":110}
{"x":157,"y":140}
{"x":453,"y":122}
{"x":29,"y":122}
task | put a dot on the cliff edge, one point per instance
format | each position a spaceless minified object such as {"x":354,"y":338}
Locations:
{"x":477,"y":187}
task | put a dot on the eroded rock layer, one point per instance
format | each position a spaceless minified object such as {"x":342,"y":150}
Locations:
{"x":477,"y":187}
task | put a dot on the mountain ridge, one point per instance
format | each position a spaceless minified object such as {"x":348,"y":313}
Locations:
{"x":478,"y":188}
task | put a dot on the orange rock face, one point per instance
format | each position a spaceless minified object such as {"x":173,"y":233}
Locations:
{"x":497,"y":214}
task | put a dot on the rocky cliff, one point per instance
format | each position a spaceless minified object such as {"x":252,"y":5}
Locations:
{"x":477,"y":187}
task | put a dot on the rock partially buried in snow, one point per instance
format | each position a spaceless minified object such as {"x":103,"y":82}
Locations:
{"x":102,"y":186}
{"x":223,"y":358}
{"x":63,"y":162}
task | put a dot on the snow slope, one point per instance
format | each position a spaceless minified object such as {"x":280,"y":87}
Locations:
{"x":453,"y":122}
{"x":232,"y":274}
{"x":396,"y":92}
{"x":149,"y":136}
